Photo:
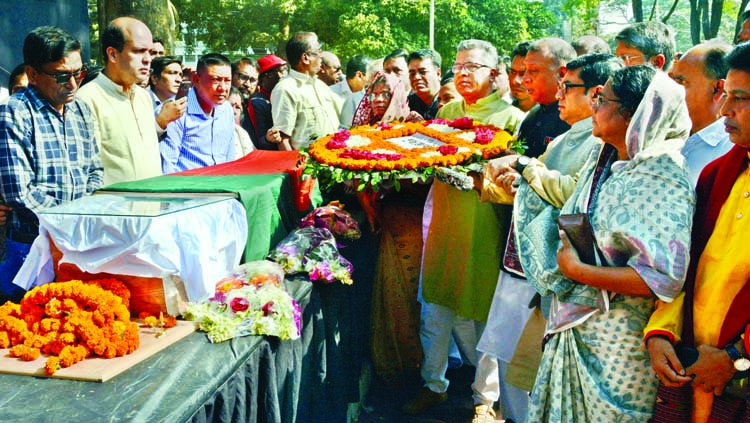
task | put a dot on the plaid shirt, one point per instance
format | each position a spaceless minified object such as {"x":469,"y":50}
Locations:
{"x":46,"y":158}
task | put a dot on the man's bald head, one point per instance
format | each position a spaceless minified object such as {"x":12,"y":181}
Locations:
{"x":126,"y":45}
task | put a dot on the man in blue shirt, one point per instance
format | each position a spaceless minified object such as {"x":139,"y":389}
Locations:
{"x":48,"y":151}
{"x":204,"y":135}
{"x":702,"y":71}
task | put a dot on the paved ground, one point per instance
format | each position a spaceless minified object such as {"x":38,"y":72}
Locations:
{"x":386,"y":401}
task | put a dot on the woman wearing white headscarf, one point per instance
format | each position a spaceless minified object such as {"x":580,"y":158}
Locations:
{"x":595,"y":367}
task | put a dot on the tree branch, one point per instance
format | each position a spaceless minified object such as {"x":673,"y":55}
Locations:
{"x":671,"y":11}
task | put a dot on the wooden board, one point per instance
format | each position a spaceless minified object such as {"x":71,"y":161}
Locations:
{"x":99,"y":369}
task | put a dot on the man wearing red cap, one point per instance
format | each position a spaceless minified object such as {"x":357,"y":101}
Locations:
{"x":258,"y":120}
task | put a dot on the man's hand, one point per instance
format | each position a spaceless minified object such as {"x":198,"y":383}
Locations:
{"x":665,"y":363}
{"x":171,"y":111}
{"x":497,"y":167}
{"x":4,"y":213}
{"x":508,"y":181}
{"x":713,"y":369}
{"x":283,"y":140}
{"x":274,"y":136}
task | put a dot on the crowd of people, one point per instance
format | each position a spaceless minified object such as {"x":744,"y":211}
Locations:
{"x":598,"y":276}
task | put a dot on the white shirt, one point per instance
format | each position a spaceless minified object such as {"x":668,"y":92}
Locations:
{"x":304,"y":108}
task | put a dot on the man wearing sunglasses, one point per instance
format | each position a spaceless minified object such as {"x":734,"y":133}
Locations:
{"x":48,"y":148}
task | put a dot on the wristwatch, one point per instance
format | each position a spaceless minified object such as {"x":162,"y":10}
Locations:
{"x":741,"y":363}
{"x":521,"y":163}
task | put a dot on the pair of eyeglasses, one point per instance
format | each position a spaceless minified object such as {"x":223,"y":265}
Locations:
{"x":245,"y":78}
{"x":385,"y":96}
{"x":599,"y":100}
{"x":628,"y":59}
{"x":469,"y":67}
{"x":63,"y":78}
{"x":565,"y":86}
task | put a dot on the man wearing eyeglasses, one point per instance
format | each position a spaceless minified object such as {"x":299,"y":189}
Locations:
{"x":552,"y":178}
{"x":48,"y":148}
{"x":303,"y":107}
{"x":646,"y":43}
{"x":459,"y":267}
{"x":245,"y":77}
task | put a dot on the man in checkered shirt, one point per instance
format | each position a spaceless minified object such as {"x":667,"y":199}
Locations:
{"x":48,"y":151}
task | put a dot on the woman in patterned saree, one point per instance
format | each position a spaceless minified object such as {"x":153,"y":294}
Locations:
{"x":595,"y":367}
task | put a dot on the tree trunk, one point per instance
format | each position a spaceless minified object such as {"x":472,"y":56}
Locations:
{"x":704,"y":11}
{"x":638,"y":10}
{"x":695,"y":22}
{"x":671,"y":11}
{"x":158,"y":15}
{"x":717,"y":7}
{"x":740,"y":12}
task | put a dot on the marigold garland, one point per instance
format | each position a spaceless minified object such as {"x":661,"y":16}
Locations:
{"x":333,"y":149}
{"x":70,"y":321}
{"x":365,"y":153}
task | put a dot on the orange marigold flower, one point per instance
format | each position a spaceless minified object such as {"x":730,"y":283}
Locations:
{"x":70,"y":320}
{"x":52,"y":365}
{"x":4,"y":340}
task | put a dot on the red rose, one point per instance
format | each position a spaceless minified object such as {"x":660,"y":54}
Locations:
{"x":239,"y":304}
{"x":268,"y":309}
{"x":447,"y":150}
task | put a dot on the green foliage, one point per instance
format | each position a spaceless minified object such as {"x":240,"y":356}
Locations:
{"x":583,"y":15}
{"x":232,"y":26}
{"x":372,"y":27}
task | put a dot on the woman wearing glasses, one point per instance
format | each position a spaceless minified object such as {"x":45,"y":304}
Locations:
{"x":595,"y":366}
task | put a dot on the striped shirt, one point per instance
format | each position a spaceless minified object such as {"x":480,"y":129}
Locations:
{"x":46,"y":158}
{"x":197,"y":140}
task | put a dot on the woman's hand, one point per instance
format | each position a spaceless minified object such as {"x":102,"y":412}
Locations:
{"x":713,"y":369}
{"x":665,"y":363}
{"x":567,"y":257}
{"x":622,"y":280}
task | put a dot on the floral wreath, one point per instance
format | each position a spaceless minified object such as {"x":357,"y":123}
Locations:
{"x":373,"y":153}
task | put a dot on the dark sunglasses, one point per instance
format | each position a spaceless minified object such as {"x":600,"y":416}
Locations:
{"x":63,"y":78}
